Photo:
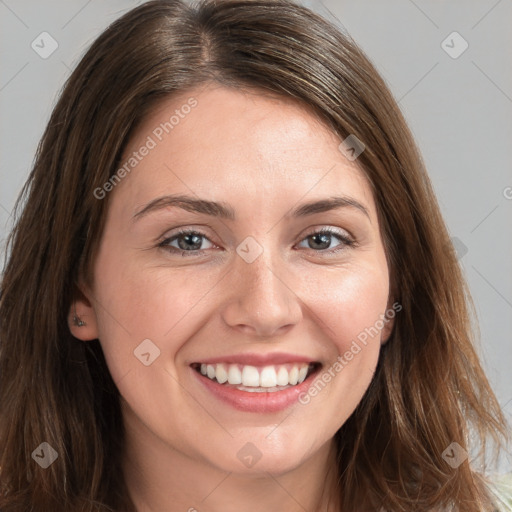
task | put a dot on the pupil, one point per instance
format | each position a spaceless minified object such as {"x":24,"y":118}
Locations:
{"x":195,"y":242}
{"x":324,"y":240}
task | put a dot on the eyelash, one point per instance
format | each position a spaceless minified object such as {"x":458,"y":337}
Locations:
{"x":346,"y":241}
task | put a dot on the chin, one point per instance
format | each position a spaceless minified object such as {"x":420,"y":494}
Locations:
{"x":260,"y":455}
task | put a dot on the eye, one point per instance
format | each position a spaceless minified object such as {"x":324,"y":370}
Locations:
{"x":191,"y":242}
{"x":321,"y":240}
{"x":186,"y":241}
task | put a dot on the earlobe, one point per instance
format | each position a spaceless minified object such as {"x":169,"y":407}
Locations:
{"x":82,"y":318}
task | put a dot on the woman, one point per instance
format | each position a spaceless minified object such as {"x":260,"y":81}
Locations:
{"x":230,"y":286}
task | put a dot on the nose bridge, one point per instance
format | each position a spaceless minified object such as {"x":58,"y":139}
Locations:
{"x":260,"y":299}
{"x":262,"y":279}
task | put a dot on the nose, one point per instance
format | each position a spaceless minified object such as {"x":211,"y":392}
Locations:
{"x":262,"y":301}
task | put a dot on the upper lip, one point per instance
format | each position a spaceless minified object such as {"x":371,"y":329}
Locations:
{"x":258,"y":359}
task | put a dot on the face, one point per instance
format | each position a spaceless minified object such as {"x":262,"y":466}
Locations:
{"x":268,"y":272}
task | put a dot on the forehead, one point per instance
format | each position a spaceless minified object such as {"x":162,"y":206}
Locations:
{"x":216,"y":141}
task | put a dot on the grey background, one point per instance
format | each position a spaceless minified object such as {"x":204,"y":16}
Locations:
{"x":459,"y":109}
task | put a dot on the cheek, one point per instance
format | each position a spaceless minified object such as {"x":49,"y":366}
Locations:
{"x":350,"y":302}
{"x":137,"y":303}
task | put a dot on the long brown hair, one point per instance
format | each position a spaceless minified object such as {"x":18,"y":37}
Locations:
{"x":429,"y":389}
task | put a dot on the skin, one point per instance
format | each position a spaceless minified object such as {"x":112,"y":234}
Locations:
{"x":263,"y":156}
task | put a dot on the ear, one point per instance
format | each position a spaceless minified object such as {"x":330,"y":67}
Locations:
{"x":389,"y":322}
{"x":82,"y":319}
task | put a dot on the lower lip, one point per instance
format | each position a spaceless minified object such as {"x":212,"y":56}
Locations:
{"x":263,"y":402}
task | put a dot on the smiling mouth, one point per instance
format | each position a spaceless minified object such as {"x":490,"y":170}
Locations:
{"x":259,"y":379}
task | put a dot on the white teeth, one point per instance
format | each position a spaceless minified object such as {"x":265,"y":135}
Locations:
{"x":221,"y":374}
{"x":302,"y":374}
{"x":282,"y":377}
{"x":234,"y":374}
{"x":250,"y":376}
{"x":268,"y":378}
{"x":293,"y":376}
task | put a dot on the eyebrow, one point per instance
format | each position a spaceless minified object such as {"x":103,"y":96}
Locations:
{"x":224,"y":211}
